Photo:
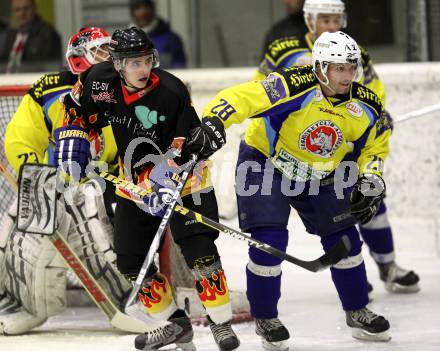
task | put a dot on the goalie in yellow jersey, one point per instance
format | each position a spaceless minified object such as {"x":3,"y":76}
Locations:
{"x":306,"y":122}
{"x":329,"y":16}
{"x":32,"y":275}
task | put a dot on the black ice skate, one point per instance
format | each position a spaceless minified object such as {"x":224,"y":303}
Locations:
{"x":397,"y":279}
{"x":273,"y":333}
{"x":366,"y":325}
{"x":179,"y":332}
{"x":224,"y":336}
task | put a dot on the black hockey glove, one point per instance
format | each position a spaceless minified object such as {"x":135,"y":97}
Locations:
{"x":206,"y":139}
{"x":366,"y":196}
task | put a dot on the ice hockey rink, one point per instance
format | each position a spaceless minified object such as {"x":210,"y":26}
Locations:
{"x":309,"y":307}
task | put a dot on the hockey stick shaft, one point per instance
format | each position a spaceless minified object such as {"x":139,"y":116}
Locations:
{"x":155,"y":245}
{"x":98,"y":295}
{"x":417,"y":113}
{"x":339,"y":251}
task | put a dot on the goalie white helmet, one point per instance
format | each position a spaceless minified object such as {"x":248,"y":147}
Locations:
{"x":336,"y":47}
{"x":312,"y":8}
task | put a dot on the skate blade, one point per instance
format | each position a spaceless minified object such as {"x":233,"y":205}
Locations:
{"x":275,"y":345}
{"x":396,"y":288}
{"x":366,"y":336}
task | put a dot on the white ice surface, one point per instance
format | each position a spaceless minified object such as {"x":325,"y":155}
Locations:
{"x":309,"y":307}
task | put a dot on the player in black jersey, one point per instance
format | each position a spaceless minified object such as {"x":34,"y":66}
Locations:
{"x":149,"y":111}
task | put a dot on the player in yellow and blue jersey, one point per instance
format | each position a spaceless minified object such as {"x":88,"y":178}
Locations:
{"x":307,"y":123}
{"x":330,"y":16}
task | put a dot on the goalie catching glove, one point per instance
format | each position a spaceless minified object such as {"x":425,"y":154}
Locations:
{"x":206,"y":139}
{"x":366,"y":196}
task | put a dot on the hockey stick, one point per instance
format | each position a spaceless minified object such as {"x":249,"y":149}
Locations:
{"x":131,"y":304}
{"x":333,"y":256}
{"x":99,"y":296}
{"x":416,"y":113}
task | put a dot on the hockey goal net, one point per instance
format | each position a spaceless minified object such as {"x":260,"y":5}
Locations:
{"x":172,"y":262}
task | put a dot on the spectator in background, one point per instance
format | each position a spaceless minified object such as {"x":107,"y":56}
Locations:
{"x":33,"y":44}
{"x":293,"y":24}
{"x":168,"y":43}
{"x":3,"y":31}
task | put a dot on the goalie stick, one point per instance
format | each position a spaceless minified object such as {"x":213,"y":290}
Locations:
{"x":333,"y":256}
{"x":99,"y":296}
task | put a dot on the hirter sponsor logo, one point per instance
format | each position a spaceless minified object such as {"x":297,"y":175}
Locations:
{"x":354,"y":109}
{"x":322,"y":138}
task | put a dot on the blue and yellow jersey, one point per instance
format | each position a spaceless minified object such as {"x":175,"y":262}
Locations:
{"x":305,"y":134}
{"x":40,"y":112}
{"x":297,"y":51}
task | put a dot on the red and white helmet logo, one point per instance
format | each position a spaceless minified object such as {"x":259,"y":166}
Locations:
{"x":322,"y":138}
{"x":83,"y":48}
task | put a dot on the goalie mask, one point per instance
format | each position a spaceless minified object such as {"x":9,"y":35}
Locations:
{"x":87,"y":47}
{"x":336,"y":48}
{"x":312,"y":8}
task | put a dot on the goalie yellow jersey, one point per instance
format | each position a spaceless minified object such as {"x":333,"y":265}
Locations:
{"x":28,"y":134}
{"x":297,"y":51}
{"x":305,"y":134}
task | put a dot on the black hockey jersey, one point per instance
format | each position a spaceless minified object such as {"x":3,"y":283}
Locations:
{"x":143,"y":122}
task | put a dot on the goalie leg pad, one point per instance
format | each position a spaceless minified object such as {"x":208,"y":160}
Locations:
{"x":6,"y":228}
{"x":35,"y":281}
{"x":349,"y":275}
{"x":264,"y":273}
{"x":90,"y":236}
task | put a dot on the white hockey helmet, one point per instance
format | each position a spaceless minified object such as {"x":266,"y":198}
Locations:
{"x":336,"y":47}
{"x":312,"y":8}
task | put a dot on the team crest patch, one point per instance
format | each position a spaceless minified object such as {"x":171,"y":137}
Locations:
{"x":354,"y":109}
{"x":274,"y":88}
{"x":106,"y":96}
{"x":322,"y":138}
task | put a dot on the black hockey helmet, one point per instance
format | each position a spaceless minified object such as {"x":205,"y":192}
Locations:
{"x":131,"y":42}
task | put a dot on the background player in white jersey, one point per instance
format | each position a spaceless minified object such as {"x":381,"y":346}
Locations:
{"x":305,"y":121}
{"x":330,"y":16}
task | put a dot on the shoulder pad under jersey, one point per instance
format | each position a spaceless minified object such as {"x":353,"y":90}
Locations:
{"x":51,"y":83}
{"x":367,"y":96}
{"x":280,"y":47}
{"x":298,"y":78}
{"x":365,"y":56}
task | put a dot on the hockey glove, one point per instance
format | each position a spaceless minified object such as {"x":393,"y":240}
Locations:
{"x":72,"y":150}
{"x":206,"y":139}
{"x":164,"y":178}
{"x":366,"y":196}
